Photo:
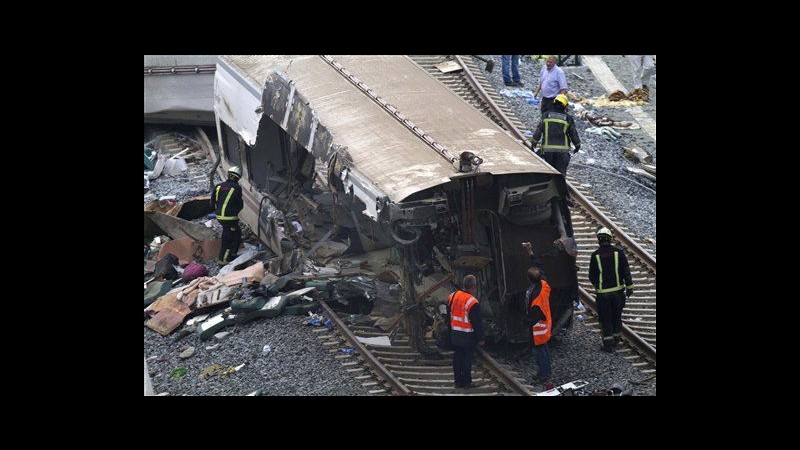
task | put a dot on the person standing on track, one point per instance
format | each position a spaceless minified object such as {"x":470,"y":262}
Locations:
{"x":467,"y":330}
{"x":538,"y":297}
{"x":611,"y":277}
{"x":559,"y":130}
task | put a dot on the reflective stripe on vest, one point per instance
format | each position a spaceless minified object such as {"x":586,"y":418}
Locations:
{"x":222,"y":215}
{"x":546,"y":145}
{"x":619,"y":285}
{"x":460,"y":304}
{"x":541,"y":329}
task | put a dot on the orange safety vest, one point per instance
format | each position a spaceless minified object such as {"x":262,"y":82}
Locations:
{"x":460,"y":304}
{"x":541,"y":329}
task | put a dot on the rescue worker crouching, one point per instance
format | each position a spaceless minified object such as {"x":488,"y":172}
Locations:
{"x":226,"y":201}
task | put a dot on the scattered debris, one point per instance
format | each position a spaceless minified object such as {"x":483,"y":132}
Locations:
{"x":188,"y":249}
{"x":178,"y":373}
{"x":189,"y":351}
{"x":566,"y":389}
{"x":649,"y":168}
{"x":607,"y":133}
{"x":210,"y":371}
{"x":616,"y":99}
{"x":641,"y":172}
{"x":221,"y":335}
{"x":448,"y":66}
{"x":185,"y":331}
{"x":230,"y":370}
{"x":604,"y":121}
{"x":378,"y":341}
{"x":616,"y":390}
{"x":177,"y":228}
{"x":637,"y":154}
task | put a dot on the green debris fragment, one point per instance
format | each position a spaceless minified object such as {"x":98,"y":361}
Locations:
{"x":178,"y":372}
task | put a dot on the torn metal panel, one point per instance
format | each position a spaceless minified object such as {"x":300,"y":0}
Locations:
{"x":448,"y":66}
{"x":253,"y":274}
{"x":168,"y":207}
{"x":188,"y":250}
{"x":170,"y":315}
{"x":372,"y":139}
{"x":236,"y":101}
{"x":178,"y":228}
{"x":204,"y":285}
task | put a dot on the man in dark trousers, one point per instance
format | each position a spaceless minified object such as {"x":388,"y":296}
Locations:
{"x":226,"y":201}
{"x":538,"y":298}
{"x":611,"y":277}
{"x":467,"y":331}
{"x":559,"y":132}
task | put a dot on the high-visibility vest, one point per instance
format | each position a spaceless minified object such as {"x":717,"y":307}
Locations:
{"x":222,"y":207}
{"x":541,"y":329}
{"x":556,"y":136}
{"x":460,"y":304}
{"x":619,"y":283}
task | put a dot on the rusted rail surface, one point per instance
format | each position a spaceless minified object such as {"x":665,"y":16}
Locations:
{"x":404,"y":371}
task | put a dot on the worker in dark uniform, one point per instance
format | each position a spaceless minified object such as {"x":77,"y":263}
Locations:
{"x":467,"y":331}
{"x":226,"y":201}
{"x":538,"y":298}
{"x":611,"y":277}
{"x":559,"y":132}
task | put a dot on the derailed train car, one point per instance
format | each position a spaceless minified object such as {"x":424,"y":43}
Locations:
{"x":409,"y":164}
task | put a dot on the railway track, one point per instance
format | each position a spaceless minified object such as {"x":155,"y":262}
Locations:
{"x":401,"y":370}
{"x":639,"y":315}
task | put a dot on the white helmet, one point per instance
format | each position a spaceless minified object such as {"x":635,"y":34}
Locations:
{"x":604,"y":231}
{"x":236,"y":170}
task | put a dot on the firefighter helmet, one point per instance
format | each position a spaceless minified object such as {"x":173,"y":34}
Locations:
{"x":561,"y":98}
{"x":235,"y":170}
{"x":604,"y":232}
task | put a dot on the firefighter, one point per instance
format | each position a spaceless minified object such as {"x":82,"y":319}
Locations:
{"x":559,"y":132}
{"x":467,"y":330}
{"x":226,"y":201}
{"x":611,"y":277}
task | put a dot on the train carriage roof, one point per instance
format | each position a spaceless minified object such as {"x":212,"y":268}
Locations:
{"x":394,"y":159}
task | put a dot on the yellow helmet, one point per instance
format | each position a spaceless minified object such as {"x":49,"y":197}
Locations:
{"x":561,"y":98}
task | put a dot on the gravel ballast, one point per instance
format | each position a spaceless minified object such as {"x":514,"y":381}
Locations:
{"x":298,"y":363}
{"x":600,"y":165}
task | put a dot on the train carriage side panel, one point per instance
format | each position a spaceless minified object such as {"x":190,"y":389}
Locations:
{"x":390,"y":172}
